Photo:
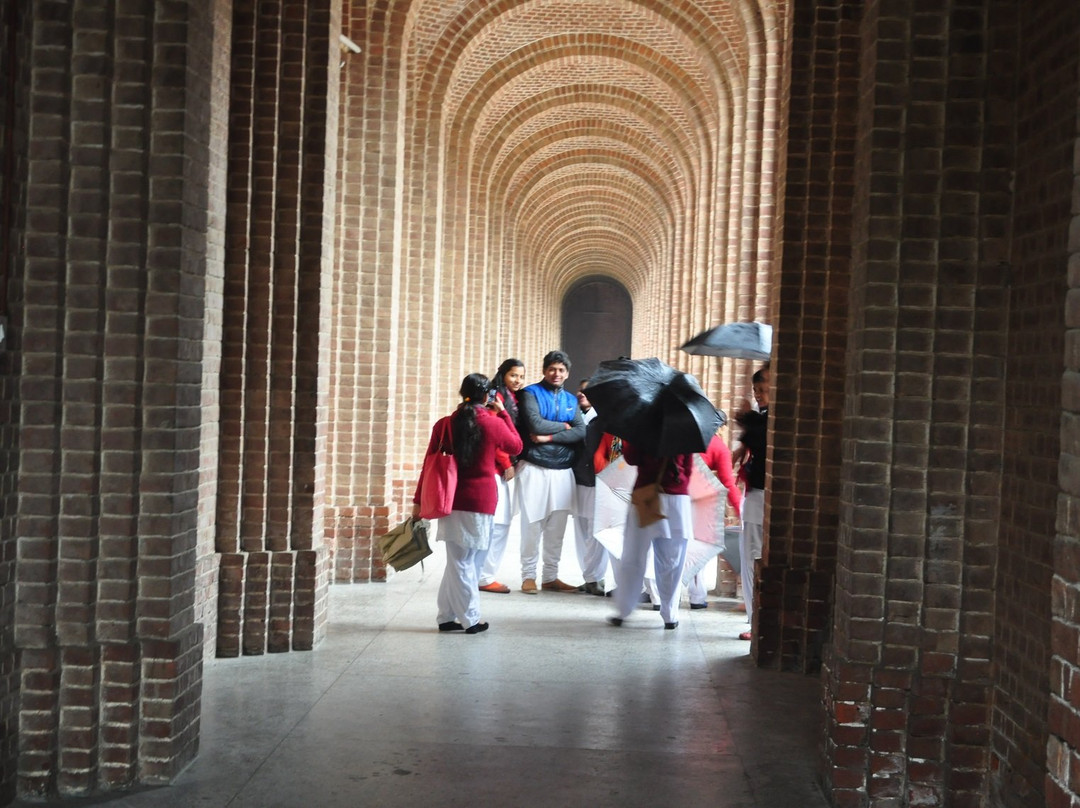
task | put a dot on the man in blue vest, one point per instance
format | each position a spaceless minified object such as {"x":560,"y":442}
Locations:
{"x":551,"y":430}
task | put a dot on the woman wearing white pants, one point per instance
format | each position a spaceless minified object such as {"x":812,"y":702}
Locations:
{"x":475,"y":432}
{"x":667,"y":537}
{"x":508,"y":379}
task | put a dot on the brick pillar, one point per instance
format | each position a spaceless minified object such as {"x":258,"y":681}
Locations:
{"x":908,"y":674}
{"x":1036,"y":743}
{"x":274,"y":381}
{"x":13,"y":82}
{"x":110,"y":293}
{"x":367,"y":296}
{"x":810,"y":313}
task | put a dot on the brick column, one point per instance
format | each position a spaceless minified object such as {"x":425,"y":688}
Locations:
{"x":111,"y":288}
{"x":367,"y":298}
{"x":810,"y":313}
{"x":908,"y":675}
{"x":13,"y":83}
{"x":1036,"y":743}
{"x":274,"y":380}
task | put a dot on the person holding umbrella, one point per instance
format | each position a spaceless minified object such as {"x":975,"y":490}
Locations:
{"x":667,"y":535}
{"x":551,"y":430}
{"x":477,"y":431}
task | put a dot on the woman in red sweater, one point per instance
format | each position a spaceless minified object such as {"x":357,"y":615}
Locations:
{"x":509,"y":378}
{"x":717,"y":456}
{"x":667,"y":537}
{"x":478,"y":431}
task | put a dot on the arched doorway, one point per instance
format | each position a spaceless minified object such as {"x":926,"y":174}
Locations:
{"x":597,"y":324}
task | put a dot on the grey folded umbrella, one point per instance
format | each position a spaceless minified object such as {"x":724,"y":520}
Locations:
{"x":736,"y":340}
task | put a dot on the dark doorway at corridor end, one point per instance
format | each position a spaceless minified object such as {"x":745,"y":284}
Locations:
{"x":597,"y":320}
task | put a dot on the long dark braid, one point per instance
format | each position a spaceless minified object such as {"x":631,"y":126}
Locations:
{"x":468,"y":436}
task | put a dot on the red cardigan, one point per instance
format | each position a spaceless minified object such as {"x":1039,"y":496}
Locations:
{"x":476,"y":491}
{"x":503,"y":459}
{"x":676,"y":478}
{"x":718,"y":457}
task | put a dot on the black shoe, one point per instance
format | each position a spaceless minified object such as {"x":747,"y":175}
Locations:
{"x":699,"y":605}
{"x":476,"y":628}
{"x":594,"y":588}
{"x":671,"y":626}
{"x":451,"y":625}
{"x":615,"y":621}
{"x":610,"y":593}
{"x":656,"y":607}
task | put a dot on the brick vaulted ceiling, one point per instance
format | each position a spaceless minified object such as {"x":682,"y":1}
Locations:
{"x":493,"y":154}
{"x":568,"y":137}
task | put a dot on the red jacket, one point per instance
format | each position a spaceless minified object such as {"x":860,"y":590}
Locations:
{"x":503,"y":459}
{"x":476,"y":491}
{"x":718,"y":457}
{"x":676,"y":479}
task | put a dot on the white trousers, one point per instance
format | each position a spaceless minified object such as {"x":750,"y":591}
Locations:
{"x":458,"y":598}
{"x":696,"y":589}
{"x":667,"y":538}
{"x":551,"y":529}
{"x":592,"y":555}
{"x":750,"y":544}
{"x":493,"y":558}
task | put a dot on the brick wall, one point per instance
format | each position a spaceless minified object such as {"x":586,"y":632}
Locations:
{"x":111,"y":284}
{"x":908,"y":676}
{"x":282,"y":149}
{"x":810,"y":313}
{"x":12,"y":148}
{"x":1035,"y":739}
{"x":207,"y":562}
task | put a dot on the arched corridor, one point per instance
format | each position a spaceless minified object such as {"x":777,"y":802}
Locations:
{"x":250,"y":248}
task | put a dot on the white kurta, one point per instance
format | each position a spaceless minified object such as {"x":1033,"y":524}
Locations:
{"x":507,"y":504}
{"x":543,"y":491}
{"x":500,"y":530}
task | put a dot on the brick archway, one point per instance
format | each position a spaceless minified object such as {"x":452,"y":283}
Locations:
{"x":597,"y":324}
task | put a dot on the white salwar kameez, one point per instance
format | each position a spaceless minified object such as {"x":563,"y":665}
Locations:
{"x":592,"y":555}
{"x":467,"y":536}
{"x":750,"y":543}
{"x":667,"y":538}
{"x":500,"y":529}
{"x":545,"y":498}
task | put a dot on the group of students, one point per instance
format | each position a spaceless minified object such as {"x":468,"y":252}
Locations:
{"x":535,"y":450}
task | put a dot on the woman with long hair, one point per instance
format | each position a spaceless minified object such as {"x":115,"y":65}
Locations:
{"x":508,"y":379}
{"x":478,"y":429}
{"x":667,"y":536}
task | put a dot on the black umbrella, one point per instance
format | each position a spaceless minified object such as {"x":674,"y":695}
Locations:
{"x":654,"y":406}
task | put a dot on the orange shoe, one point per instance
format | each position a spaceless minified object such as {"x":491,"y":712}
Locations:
{"x":557,"y":586}
{"x":495,"y":586}
{"x":528,"y":586}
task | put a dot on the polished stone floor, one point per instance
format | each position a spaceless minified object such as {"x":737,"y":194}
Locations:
{"x":551,"y":707}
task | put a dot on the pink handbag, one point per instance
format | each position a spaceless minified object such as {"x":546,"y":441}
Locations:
{"x":438,"y":479}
